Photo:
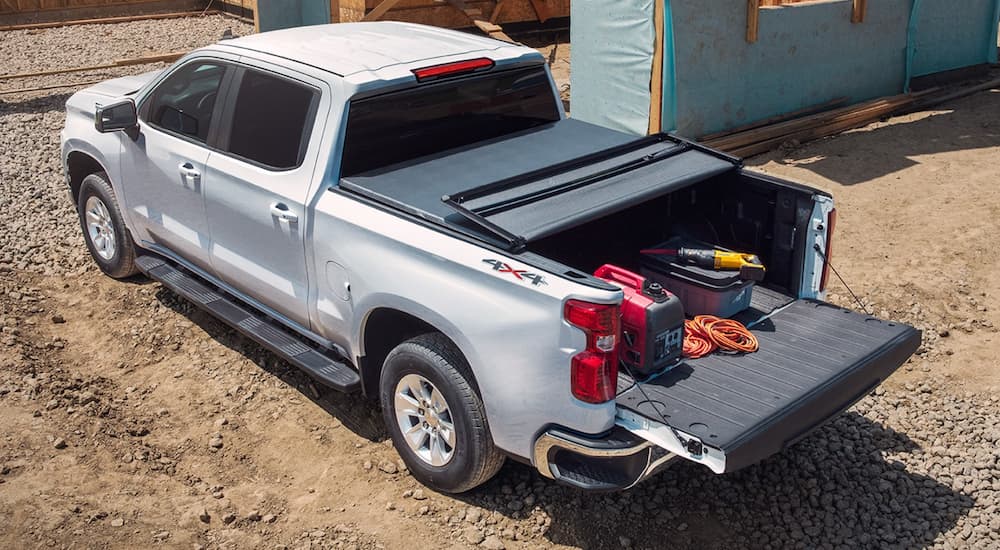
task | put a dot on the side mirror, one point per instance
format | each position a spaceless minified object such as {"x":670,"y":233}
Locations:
{"x":116,"y":116}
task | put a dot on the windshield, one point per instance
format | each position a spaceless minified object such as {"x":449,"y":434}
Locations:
{"x":401,"y":126}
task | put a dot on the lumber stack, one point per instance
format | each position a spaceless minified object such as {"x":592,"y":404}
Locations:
{"x":762,"y":138}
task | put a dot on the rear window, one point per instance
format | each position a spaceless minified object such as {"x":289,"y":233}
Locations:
{"x":431,"y":118}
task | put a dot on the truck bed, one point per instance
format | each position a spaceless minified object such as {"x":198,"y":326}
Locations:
{"x":815,"y":360}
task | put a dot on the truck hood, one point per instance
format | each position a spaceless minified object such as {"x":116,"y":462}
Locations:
{"x":118,"y":87}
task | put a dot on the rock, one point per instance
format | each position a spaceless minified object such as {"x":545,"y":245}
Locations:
{"x":473,"y":535}
{"x":117,"y":522}
{"x":58,"y":319}
{"x":367,"y":465}
{"x":228,"y":518}
{"x":162,"y":535}
{"x":473,"y":515}
{"x":419,"y":495}
{"x":215,"y":442}
{"x":423,"y":510}
{"x":59,"y":443}
{"x":222,"y":422}
{"x":202,"y":515}
{"x":493,"y":542}
{"x":254,"y":516}
{"x":269,"y":518}
{"x":387,"y":467}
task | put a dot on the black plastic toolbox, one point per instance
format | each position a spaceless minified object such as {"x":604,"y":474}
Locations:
{"x":702,"y":291}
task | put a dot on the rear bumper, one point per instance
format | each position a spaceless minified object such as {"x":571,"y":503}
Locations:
{"x":616,"y":461}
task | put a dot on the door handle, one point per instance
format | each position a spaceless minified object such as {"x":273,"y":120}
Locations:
{"x":280,"y":210}
{"x":189,"y":173}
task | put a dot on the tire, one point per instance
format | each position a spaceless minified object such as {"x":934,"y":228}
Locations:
{"x":434,"y":359}
{"x":104,"y":231}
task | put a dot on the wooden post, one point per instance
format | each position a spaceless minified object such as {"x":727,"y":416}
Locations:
{"x":656,"y":75}
{"x":858,"y":11}
{"x":753,"y":20}
{"x":350,"y":10}
{"x":379,"y":10}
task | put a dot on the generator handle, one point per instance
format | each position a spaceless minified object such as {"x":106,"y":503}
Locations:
{"x":620,"y":275}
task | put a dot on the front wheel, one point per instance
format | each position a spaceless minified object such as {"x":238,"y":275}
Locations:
{"x":435,"y":417}
{"x":108,"y":240}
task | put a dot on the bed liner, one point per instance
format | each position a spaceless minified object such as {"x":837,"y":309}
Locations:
{"x":815,"y":360}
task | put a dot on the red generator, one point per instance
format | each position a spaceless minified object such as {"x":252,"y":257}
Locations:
{"x":652,"y":322}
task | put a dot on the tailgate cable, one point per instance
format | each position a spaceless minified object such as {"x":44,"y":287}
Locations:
{"x":692,"y":445}
{"x":861,"y":304}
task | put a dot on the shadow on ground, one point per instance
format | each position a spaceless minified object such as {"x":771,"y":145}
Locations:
{"x":354,"y":411}
{"x":833,"y":487}
{"x":862,"y":156}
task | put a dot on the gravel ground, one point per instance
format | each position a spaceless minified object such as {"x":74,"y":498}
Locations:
{"x":133,"y":419}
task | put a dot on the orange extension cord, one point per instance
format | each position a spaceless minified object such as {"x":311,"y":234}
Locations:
{"x":707,"y":333}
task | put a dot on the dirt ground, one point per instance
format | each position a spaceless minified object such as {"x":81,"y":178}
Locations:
{"x":130,"y":419}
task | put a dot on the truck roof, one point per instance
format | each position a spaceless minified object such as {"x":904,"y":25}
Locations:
{"x":349,"y":48}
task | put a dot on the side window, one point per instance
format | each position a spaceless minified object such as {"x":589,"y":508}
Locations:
{"x":183,"y":103}
{"x":272,"y":120}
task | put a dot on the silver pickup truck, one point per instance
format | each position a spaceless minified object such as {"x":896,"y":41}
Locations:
{"x":407,"y":212}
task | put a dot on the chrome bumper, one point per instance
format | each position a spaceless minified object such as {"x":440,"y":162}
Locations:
{"x":616,"y":462}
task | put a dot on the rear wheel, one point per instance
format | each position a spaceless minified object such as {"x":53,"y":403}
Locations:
{"x":104,"y":231}
{"x":435,"y":417}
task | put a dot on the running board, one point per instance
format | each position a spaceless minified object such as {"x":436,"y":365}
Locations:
{"x":323,"y":369}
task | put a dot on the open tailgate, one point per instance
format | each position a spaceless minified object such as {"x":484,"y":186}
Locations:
{"x":731,"y":411}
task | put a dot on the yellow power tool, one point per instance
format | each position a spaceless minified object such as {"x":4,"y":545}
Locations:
{"x":749,"y":265}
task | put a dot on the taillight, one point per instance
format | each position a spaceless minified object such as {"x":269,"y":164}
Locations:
{"x":453,"y":69}
{"x":831,"y":224}
{"x":594,"y":371}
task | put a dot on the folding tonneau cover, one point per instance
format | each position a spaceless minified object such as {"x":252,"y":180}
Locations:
{"x":532,"y":184}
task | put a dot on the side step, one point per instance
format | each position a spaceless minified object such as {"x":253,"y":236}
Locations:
{"x":322,"y":368}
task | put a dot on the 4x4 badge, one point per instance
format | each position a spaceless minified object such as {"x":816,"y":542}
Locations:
{"x":519,"y":274}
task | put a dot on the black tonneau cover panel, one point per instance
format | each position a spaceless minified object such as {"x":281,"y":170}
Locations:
{"x":532,"y":202}
{"x":815,"y":360}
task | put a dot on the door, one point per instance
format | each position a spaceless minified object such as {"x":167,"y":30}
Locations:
{"x":164,"y":168}
{"x":257,"y":187}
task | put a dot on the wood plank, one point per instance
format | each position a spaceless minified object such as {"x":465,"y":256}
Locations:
{"x":157,"y":58}
{"x":103,"y":20}
{"x":51,"y":87}
{"x":656,"y":75}
{"x":858,"y":10}
{"x":799,"y":124}
{"x":753,"y":20}
{"x":812,"y":109}
{"x":815,"y":126}
{"x":380,"y":10}
{"x":542,"y":10}
{"x":497,"y":10}
{"x":442,"y":14}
